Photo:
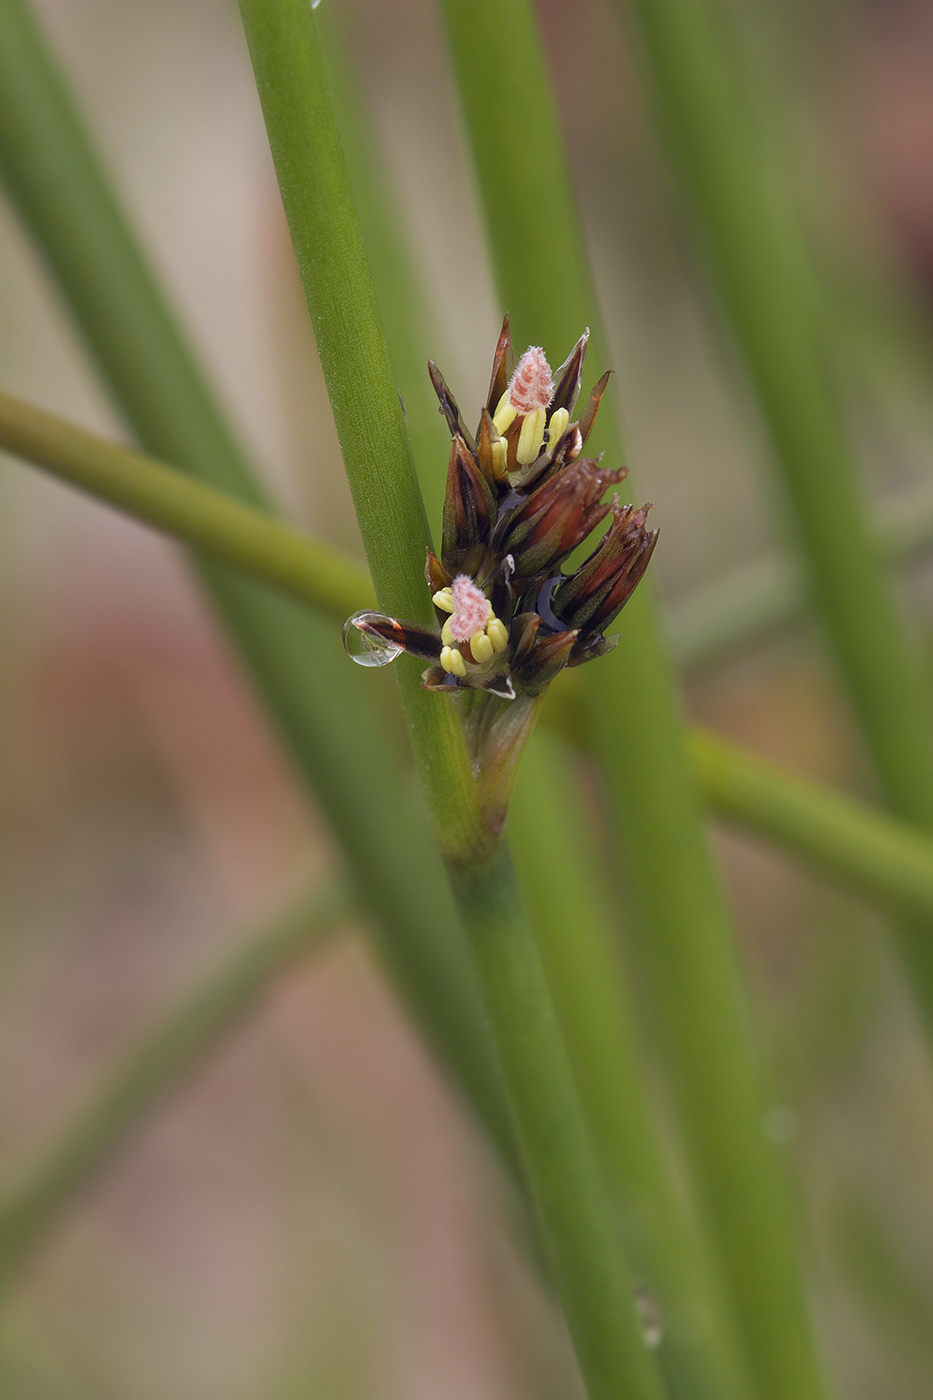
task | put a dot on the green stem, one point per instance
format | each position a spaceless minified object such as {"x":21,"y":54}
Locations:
{"x":563,"y":1178}
{"x":293,"y":89}
{"x":686,"y":939}
{"x":318,"y":703}
{"x":550,"y":836}
{"x":201,"y":516}
{"x":406,"y":309}
{"x":151,"y":1068}
{"x":868,"y":851}
{"x":757,"y":253}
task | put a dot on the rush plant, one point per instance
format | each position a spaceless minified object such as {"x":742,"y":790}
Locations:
{"x":663,"y":1212}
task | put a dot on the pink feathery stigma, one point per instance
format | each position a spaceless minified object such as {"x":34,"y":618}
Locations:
{"x":472,"y":609}
{"x":531,"y":386}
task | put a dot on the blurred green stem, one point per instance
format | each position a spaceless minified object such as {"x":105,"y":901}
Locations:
{"x":869,"y":852}
{"x":560,"y":873}
{"x":148,"y":1070}
{"x":708,"y":100}
{"x":747,"y":603}
{"x":596,"y":1290}
{"x":833,"y":831}
{"x":209,"y":520}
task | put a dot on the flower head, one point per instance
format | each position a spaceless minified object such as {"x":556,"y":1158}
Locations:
{"x":520,"y":498}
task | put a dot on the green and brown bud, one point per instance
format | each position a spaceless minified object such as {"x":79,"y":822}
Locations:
{"x":592,"y":596}
{"x":547,"y":525}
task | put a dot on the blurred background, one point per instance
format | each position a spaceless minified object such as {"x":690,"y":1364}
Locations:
{"x":310,"y":1214}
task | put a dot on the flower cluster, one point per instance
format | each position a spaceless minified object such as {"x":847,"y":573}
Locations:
{"x":520,"y":498}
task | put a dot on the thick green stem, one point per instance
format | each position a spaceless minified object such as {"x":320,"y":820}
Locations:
{"x":149,"y":1069}
{"x":409,"y":313}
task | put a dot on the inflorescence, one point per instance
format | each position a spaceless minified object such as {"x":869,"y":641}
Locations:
{"x":520,"y":498}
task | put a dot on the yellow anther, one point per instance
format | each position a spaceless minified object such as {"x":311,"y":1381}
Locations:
{"x":499,"y":454}
{"x":560,"y":422}
{"x":505,"y":414}
{"x":482,"y":648}
{"x":447,"y":636}
{"x":531,"y":437}
{"x":452,"y":661}
{"x":444,"y":598}
{"x":498,"y":634}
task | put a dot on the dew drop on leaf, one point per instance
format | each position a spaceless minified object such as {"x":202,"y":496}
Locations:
{"x":364,"y":647}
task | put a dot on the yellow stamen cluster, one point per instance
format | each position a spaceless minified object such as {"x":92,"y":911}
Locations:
{"x":490,"y":640}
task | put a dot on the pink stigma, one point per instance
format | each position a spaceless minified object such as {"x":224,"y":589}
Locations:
{"x":531,"y":386}
{"x":472,"y":609}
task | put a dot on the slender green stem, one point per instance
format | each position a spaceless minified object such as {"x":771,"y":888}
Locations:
{"x":293,"y":88}
{"x":710,"y":1054}
{"x":685,"y":942}
{"x":147,"y":1071}
{"x":549,"y":834}
{"x":564,"y":1182}
{"x":210,"y":520}
{"x":405,"y":306}
{"x":318,"y":703}
{"x":868,"y":851}
{"x":757,"y":253}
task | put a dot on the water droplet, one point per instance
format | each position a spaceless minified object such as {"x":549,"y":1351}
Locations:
{"x":368,"y":648}
{"x":314,"y":5}
{"x":649,"y":1315}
